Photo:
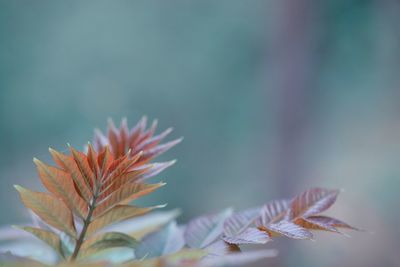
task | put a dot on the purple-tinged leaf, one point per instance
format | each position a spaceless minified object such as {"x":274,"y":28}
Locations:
{"x":273,"y":212}
{"x":237,"y":259}
{"x":203,"y":230}
{"x":288,"y":229}
{"x":250,"y":235}
{"x":160,"y":149}
{"x":312,"y":202}
{"x":166,"y":241}
{"x":240,"y":221}
{"x":153,"y":141}
{"x":154,"y":169}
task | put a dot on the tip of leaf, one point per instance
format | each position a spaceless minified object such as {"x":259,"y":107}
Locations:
{"x":18,"y":187}
{"x":69,"y":145}
{"x":345,"y":235}
{"x":97,"y":131}
{"x":36,"y":161}
{"x":161,"y":206}
{"x":17,"y":227}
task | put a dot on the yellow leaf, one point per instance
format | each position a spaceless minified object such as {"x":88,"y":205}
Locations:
{"x":50,"y":209}
{"x":48,"y":237}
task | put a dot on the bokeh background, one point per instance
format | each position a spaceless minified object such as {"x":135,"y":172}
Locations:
{"x":271,"y":96}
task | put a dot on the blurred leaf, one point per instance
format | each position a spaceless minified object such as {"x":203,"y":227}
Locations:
{"x":186,"y":256}
{"x":107,"y":240}
{"x":237,"y":259}
{"x":239,"y":221}
{"x":48,"y":237}
{"x":10,"y":260}
{"x":163,"y":242}
{"x":138,"y":227}
{"x":220,"y":247}
{"x":117,"y":214}
{"x":323,"y":223}
{"x":288,"y":229}
{"x":50,"y":209}
{"x":250,"y":235}
{"x":203,"y":230}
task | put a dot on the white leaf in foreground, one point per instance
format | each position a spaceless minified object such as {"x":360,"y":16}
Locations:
{"x":220,"y":248}
{"x":290,"y":230}
{"x":237,"y":259}
{"x":240,"y":221}
{"x":166,"y":241}
{"x":203,"y":230}
{"x":272,"y":212}
{"x":249,"y":236}
{"x":142,"y":225}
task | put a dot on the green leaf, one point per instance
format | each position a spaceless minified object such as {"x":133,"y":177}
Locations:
{"x":106,"y":241}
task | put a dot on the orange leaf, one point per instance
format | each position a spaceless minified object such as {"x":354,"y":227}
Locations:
{"x":315,"y":225}
{"x":105,"y":159}
{"x":83,"y":164}
{"x":92,"y":160}
{"x":69,"y":165}
{"x":61,"y":184}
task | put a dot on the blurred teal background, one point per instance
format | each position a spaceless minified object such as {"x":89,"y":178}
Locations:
{"x":272,"y":97}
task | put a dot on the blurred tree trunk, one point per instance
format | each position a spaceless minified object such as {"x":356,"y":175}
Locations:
{"x":291,"y":81}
